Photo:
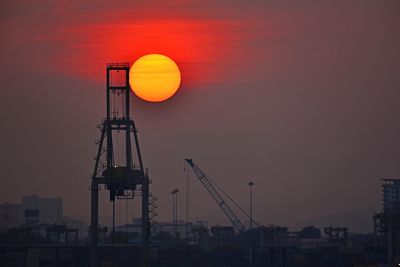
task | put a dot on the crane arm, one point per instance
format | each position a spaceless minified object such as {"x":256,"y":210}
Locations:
{"x":216,"y":196}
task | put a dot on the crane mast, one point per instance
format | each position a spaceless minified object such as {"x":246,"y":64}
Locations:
{"x":216,"y":196}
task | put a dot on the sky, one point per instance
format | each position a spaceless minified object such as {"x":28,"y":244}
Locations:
{"x":300,"y":97}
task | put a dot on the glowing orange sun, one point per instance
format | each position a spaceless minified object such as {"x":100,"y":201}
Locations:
{"x":154,"y":77}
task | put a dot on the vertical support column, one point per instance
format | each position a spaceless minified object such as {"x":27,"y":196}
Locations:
{"x":145,"y":221}
{"x":113,"y":222}
{"x":107,"y":123}
{"x":145,"y":202}
{"x":108,"y":109}
{"x":128,"y":151}
{"x":272,"y":259}
{"x":251,"y":184}
{"x":127,"y":94}
{"x":94,"y":223}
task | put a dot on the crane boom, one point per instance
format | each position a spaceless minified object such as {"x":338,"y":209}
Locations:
{"x":216,"y":196}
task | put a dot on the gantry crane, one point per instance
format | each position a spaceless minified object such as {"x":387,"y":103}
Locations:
{"x":206,"y":181}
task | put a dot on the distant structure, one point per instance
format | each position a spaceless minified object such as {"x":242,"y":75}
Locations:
{"x":32,"y":210}
{"x":11,"y":215}
{"x":224,"y":235}
{"x":337,"y":234}
{"x":387,"y":222}
{"x":42,"y":210}
{"x":59,"y":230}
{"x":391,"y":195}
{"x":174,"y":229}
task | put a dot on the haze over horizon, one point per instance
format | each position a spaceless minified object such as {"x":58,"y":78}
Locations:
{"x":300,"y":98}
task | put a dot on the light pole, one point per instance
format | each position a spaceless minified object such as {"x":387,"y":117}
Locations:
{"x":251,"y":184}
{"x":175,"y":213}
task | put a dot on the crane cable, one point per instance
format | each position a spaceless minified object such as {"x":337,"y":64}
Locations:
{"x":231,"y":199}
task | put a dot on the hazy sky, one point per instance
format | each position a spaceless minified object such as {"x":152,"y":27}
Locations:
{"x":301,"y":97}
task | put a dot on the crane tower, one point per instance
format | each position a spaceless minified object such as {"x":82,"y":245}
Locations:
{"x":122,"y":174}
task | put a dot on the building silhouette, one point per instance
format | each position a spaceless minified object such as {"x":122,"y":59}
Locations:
{"x":32,"y":210}
{"x":391,"y":195}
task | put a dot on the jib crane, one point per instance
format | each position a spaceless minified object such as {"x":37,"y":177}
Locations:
{"x":206,"y":181}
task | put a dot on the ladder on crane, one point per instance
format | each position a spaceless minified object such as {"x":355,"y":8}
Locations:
{"x":206,"y":181}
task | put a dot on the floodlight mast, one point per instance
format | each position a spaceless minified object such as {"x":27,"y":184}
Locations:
{"x":120,"y":178}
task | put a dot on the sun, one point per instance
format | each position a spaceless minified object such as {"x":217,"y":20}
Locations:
{"x":154,"y":77}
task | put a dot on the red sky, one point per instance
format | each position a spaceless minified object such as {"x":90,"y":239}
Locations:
{"x":300,"y":96}
{"x":70,"y":41}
